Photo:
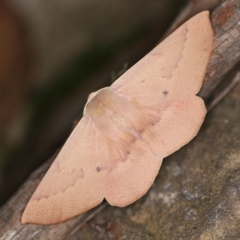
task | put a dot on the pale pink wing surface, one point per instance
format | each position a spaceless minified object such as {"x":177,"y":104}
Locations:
{"x":162,"y":88}
{"x":176,"y":67}
{"x":76,"y":180}
{"x":117,"y":148}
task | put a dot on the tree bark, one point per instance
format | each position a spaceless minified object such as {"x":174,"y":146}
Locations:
{"x":226,"y":55}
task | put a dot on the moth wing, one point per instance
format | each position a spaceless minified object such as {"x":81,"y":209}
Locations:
{"x":176,"y":67}
{"x":168,"y":114}
{"x":76,"y":180}
{"x":161,"y":87}
{"x":132,"y":170}
{"x":174,"y":124}
{"x":162,"y":129}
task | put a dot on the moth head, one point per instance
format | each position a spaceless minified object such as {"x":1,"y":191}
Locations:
{"x":95,"y":98}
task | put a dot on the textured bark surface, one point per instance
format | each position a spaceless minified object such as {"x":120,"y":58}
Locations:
{"x":226,"y":54}
{"x":196,"y":194}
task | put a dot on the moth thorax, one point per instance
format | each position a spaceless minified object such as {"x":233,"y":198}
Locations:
{"x":101,"y":103}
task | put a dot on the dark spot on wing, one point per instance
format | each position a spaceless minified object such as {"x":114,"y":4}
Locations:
{"x":98,"y":169}
{"x":101,"y":168}
{"x":165,"y":93}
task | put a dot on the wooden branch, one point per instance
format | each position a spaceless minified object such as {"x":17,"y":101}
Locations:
{"x":225,"y":55}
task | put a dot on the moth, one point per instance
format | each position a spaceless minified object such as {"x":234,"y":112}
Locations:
{"x":116,"y":149}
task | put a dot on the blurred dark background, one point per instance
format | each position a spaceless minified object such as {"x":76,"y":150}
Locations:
{"x":52,"y":55}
